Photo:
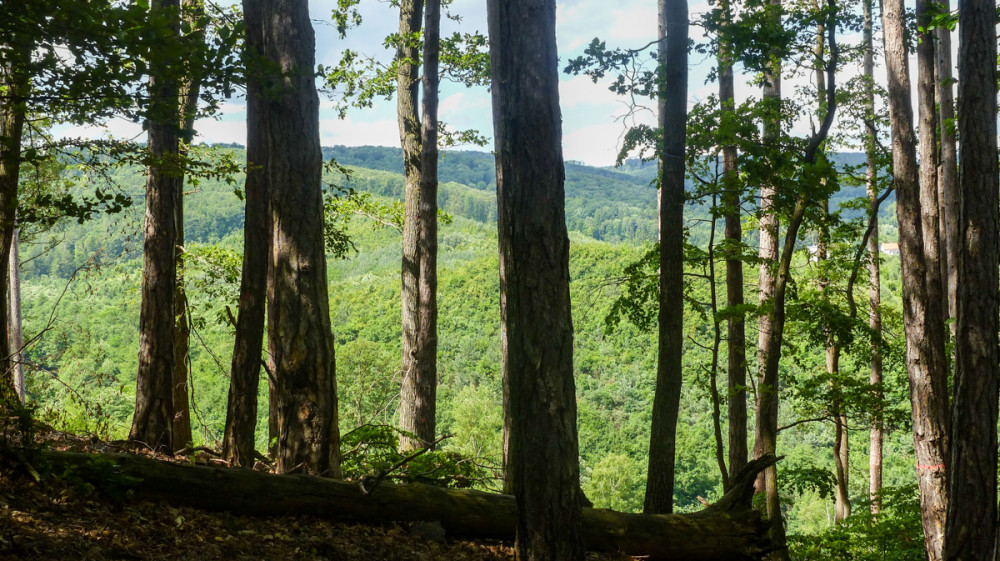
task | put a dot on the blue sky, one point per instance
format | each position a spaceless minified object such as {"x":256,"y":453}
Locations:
{"x":593,"y":119}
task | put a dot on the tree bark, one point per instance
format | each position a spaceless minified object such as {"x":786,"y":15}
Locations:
{"x":930,"y":208}
{"x":768,"y":338}
{"x":152,"y":423}
{"x":928,"y":379}
{"x":536,"y":326}
{"x":672,"y":105}
{"x":971,"y":528}
{"x":736,"y":340}
{"x":241,"y":411}
{"x":14,"y":311}
{"x":727,"y":530}
{"x":14,"y":79}
{"x":298,"y":307}
{"x":874,"y":279}
{"x":948,"y":164}
{"x":192,"y":10}
{"x":407,"y":103}
{"x":418,"y":406}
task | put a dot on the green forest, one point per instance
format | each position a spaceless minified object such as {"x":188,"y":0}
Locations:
{"x":770,"y":331}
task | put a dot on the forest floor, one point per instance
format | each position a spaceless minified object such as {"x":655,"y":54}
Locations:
{"x":60,"y":519}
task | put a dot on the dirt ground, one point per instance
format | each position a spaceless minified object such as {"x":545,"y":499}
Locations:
{"x":57,"y":519}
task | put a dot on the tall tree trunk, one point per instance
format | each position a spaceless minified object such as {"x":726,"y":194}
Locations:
{"x":841,"y":448}
{"x":418,"y":406}
{"x":298,"y":309}
{"x":948,"y":164}
{"x":241,"y":411}
{"x":930,"y":209}
{"x":736,"y":339}
{"x":874,"y":280}
{"x":536,"y":326}
{"x":192,"y":10}
{"x":672,"y":106}
{"x":928,"y":379}
{"x":14,"y":80}
{"x":14,"y":311}
{"x":766,"y":434}
{"x":152,"y":423}
{"x":971,"y":529}
{"x":407,"y":104}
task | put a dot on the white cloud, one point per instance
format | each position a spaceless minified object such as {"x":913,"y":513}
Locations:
{"x":348,"y":132}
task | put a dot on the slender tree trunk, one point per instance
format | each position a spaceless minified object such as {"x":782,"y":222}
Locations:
{"x":14,"y":80}
{"x":937,"y":303}
{"x":536,"y":326}
{"x":673,"y":122}
{"x":971,"y":529}
{"x":298,"y":308}
{"x":766,"y":434}
{"x":874,"y":280}
{"x":948,"y":164}
{"x":152,"y":424}
{"x":720,"y":450}
{"x":736,"y":340}
{"x":418,"y":405}
{"x":407,"y":104}
{"x":928,"y":379}
{"x":241,"y":412}
{"x":189,"y":91}
{"x":16,"y":335}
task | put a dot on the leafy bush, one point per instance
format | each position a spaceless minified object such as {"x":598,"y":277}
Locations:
{"x":895,"y":534}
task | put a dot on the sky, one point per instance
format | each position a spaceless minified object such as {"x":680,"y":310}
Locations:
{"x":594,"y":119}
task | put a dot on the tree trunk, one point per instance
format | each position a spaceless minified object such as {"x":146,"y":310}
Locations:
{"x":672,"y":104}
{"x":241,"y":411}
{"x":191,"y":12}
{"x":298,"y":308}
{"x":536,"y":326}
{"x":418,"y":406}
{"x":407,"y":88}
{"x":736,"y":340}
{"x":152,"y":423}
{"x":768,"y":338}
{"x":928,"y":379}
{"x":728,"y":530}
{"x":874,"y":280}
{"x":971,"y":529}
{"x":948,"y":164}
{"x":16,"y":334}
{"x":14,"y":79}
{"x":937,"y":303}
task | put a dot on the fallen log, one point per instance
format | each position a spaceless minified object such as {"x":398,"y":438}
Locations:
{"x":728,"y":530}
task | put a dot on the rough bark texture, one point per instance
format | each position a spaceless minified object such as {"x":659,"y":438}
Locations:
{"x":766,"y":434}
{"x":418,"y":406}
{"x":928,"y":379}
{"x":948,"y":164}
{"x":241,"y":411}
{"x":937,"y":302}
{"x":14,"y":313}
{"x":14,"y":78}
{"x":874,"y":278}
{"x":536,"y":325}
{"x":736,"y":340}
{"x":971,"y":529}
{"x":407,"y":104}
{"x":672,"y":106}
{"x":727,"y":530}
{"x":152,"y":423}
{"x":298,"y":305}
{"x":192,"y":10}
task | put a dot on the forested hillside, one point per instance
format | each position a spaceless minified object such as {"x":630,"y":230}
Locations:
{"x":81,"y":297}
{"x":770,"y":333}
